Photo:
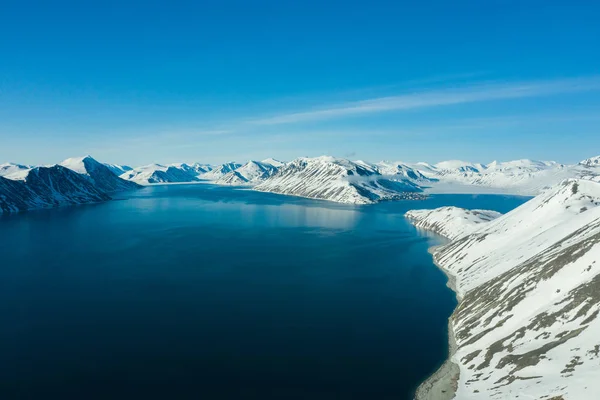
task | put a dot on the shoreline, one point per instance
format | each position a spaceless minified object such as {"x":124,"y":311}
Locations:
{"x":443,"y":383}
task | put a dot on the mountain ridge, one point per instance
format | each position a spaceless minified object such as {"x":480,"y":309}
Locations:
{"x":529,"y":295}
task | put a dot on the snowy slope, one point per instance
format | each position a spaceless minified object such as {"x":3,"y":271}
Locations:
{"x":451,"y":222}
{"x":256,"y":171}
{"x":46,"y":187}
{"x":336,"y":179}
{"x":591,"y":162}
{"x":251,"y":173}
{"x":10,"y":170}
{"x":402,"y":170}
{"x":459,"y":166}
{"x":157,"y":173}
{"x":273,"y":162}
{"x":529,"y":288}
{"x":201,"y":168}
{"x":118,"y":169}
{"x":99,"y":174}
{"x":232,"y":178}
{"x":220,"y":171}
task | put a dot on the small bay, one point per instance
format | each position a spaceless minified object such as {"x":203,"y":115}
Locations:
{"x":209,"y":292}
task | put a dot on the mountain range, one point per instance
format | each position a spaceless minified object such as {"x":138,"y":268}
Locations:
{"x":326,"y":178}
{"x":74,"y":181}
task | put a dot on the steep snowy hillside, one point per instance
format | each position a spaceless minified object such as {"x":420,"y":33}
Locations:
{"x":99,"y":174}
{"x":157,"y":173}
{"x":118,"y":169}
{"x":46,"y":187}
{"x":452,"y":222}
{"x":337,"y":180}
{"x":527,"y":322}
{"x":220,"y":171}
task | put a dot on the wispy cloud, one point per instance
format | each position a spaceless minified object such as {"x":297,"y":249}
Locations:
{"x":437,"y":98}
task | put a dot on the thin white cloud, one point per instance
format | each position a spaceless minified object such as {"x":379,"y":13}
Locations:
{"x":437,"y":98}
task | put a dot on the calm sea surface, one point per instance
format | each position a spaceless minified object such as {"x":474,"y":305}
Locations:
{"x":205,"y":292}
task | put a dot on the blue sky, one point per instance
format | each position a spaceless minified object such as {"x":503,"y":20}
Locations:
{"x":153,"y":81}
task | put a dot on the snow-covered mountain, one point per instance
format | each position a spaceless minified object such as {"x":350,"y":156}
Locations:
{"x":402,"y":170}
{"x":118,"y":169}
{"x":201,"y":168}
{"x":251,"y":173}
{"x":46,"y":187}
{"x":451,"y":222}
{"x":336,"y":179}
{"x":521,"y":177}
{"x":591,"y":162}
{"x":232,"y":178}
{"x":157,"y":173}
{"x":221,"y":170}
{"x":10,"y":169}
{"x":528,"y":285}
{"x":273,"y":162}
{"x":459,"y":166}
{"x":99,"y":174}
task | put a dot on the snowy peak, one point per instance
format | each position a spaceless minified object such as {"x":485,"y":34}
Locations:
{"x":221,"y":170}
{"x":157,"y":173}
{"x":591,"y":162}
{"x":403,"y":170}
{"x":45,"y":187}
{"x":13,"y":171}
{"x":201,"y":168}
{"x":99,"y":174}
{"x":273,"y":162}
{"x":459,"y":165}
{"x":80,"y":164}
{"x":256,"y":171}
{"x":335,"y":179}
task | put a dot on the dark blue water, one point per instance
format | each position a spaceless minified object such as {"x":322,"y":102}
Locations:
{"x":203,"y":292}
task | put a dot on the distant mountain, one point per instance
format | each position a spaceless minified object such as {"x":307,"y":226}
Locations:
{"x":273,"y":162}
{"x":591,"y":162}
{"x":13,"y":170}
{"x":523,"y":177}
{"x":46,"y":187}
{"x":335,"y":179}
{"x":232,"y":178}
{"x":457,"y":165}
{"x":251,"y":173}
{"x":528,"y":284}
{"x":99,"y":174}
{"x":201,"y":168}
{"x":220,"y":171}
{"x":118,"y":169}
{"x":403,"y":170}
{"x":157,"y":173}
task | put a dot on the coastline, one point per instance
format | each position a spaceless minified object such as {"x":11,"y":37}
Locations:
{"x":443,"y":383}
